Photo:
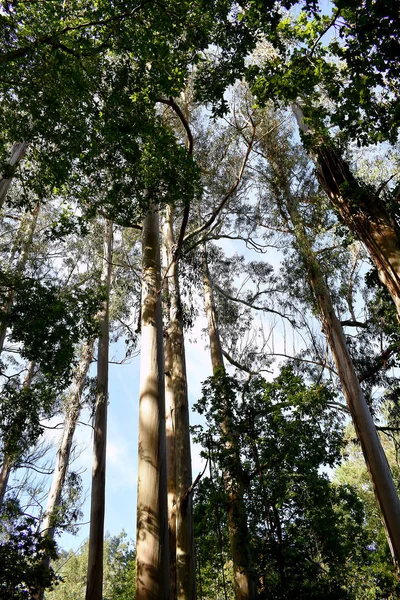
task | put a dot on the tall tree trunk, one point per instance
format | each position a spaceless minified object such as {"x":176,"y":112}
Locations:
{"x":374,"y":455}
{"x":17,"y":151}
{"x":22,"y":243}
{"x":9,"y":459}
{"x":233,"y":481}
{"x":94,"y":588}
{"x":363,"y":211}
{"x":185,"y":556}
{"x":64,"y":449}
{"x":152,"y":581}
{"x":170,"y":436}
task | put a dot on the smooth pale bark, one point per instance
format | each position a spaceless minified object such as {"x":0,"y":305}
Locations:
{"x":185,"y":556}
{"x":5,"y":475}
{"x":378,"y":468}
{"x":244,"y":583}
{"x":152,"y":580}
{"x":8,"y":459}
{"x":21,"y":244}
{"x":64,"y":448}
{"x":94,"y":588}
{"x":17,"y":151}
{"x":363,"y":211}
{"x":170,"y":438}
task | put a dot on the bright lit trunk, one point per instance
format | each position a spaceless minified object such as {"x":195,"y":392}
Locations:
{"x":374,"y":455}
{"x":170,"y":433}
{"x":97,"y":510}
{"x":185,"y":557}
{"x":233,"y":481}
{"x":152,"y":580}
{"x":363,"y":212}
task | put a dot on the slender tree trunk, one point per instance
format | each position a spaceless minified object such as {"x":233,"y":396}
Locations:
{"x":22,"y":243}
{"x":64,"y":449}
{"x":5,"y":475}
{"x":233,"y":481}
{"x":152,"y":581}
{"x":17,"y":151}
{"x":170,"y":437}
{"x":94,"y":589}
{"x":363,"y":211}
{"x":185,"y":556}
{"x":9,"y":459}
{"x":374,"y":455}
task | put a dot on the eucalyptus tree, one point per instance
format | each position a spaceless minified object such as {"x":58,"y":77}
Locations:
{"x":94,"y":588}
{"x":280,"y":177}
{"x":46,"y":337}
{"x":339,"y":76}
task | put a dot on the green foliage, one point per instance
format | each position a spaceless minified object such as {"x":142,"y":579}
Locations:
{"x":307,"y":535}
{"x":49,"y":321}
{"x":21,"y":409}
{"x":22,"y":550}
{"x":346,"y":56}
{"x":119,"y":571}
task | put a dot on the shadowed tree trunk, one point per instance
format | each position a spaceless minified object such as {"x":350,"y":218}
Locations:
{"x":374,"y":455}
{"x":152,"y":580}
{"x":17,"y":151}
{"x":96,"y":536}
{"x":363,"y":211}
{"x":233,"y":481}
{"x":185,"y":557}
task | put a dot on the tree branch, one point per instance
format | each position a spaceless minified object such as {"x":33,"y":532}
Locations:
{"x":191,"y":488}
{"x":263,"y":308}
{"x":230,"y":192}
{"x":242,"y":367}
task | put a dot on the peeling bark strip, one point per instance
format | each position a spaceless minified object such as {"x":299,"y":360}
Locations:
{"x":244,"y":584}
{"x":152,"y":581}
{"x":94,"y":589}
{"x":185,"y":557}
{"x":378,"y":468}
{"x":362,"y":210}
{"x":17,"y":152}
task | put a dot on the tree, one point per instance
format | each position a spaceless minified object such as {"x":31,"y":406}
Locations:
{"x":299,"y":522}
{"x":94,"y":590}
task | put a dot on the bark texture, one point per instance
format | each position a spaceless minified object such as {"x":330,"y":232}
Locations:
{"x":378,"y":468}
{"x":244,"y":583}
{"x":362,"y":210}
{"x":152,"y":581}
{"x":94,"y":587}
{"x":185,"y":557}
